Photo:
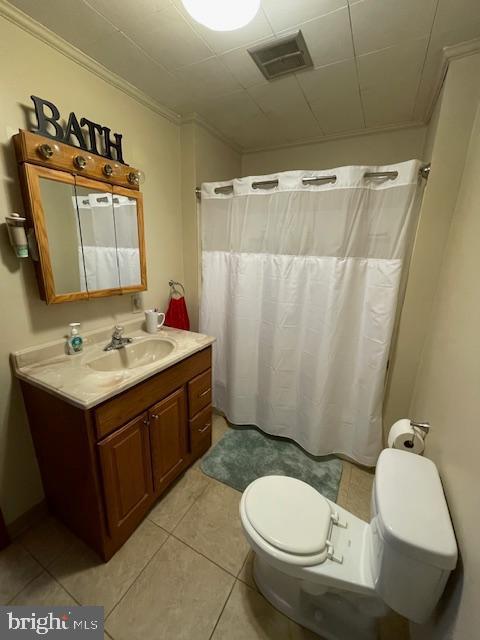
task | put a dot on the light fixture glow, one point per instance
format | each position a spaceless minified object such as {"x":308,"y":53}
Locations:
{"x":222,"y":15}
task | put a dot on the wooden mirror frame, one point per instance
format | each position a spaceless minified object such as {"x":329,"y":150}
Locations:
{"x":31,"y":168}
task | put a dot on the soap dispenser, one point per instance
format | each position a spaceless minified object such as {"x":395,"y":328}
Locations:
{"x":75,"y":340}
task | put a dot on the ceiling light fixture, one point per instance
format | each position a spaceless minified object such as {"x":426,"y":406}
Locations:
{"x":222,"y":15}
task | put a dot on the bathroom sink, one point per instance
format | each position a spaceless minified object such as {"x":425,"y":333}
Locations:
{"x":133,"y":356}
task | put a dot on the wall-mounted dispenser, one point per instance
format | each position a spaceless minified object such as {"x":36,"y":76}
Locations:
{"x":17,"y":235}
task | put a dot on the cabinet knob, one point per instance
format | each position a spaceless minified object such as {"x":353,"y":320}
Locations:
{"x":154,"y":416}
{"x":145,"y":422}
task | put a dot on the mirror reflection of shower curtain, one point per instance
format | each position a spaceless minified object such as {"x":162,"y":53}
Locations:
{"x":108,"y":241}
{"x":128,"y":252}
{"x":300,"y":288}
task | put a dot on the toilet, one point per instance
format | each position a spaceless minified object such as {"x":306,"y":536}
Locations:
{"x":334,"y":573}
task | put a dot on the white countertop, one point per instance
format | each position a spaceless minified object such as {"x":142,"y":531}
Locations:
{"x":71,"y":378}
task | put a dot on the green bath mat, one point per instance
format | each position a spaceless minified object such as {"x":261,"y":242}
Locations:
{"x":245,"y":453}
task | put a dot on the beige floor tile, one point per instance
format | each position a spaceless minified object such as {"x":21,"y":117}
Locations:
{"x":175,"y":504}
{"x":212,"y":527}
{"x":344,"y":484}
{"x":219,"y":427}
{"x":92,"y":581}
{"x":17,"y":569}
{"x":362,"y":478}
{"x":179,"y":596}
{"x":248,"y":616}
{"x":246,"y":572}
{"x":358,"y":503}
{"x":47,"y":540}
{"x":44,"y":591}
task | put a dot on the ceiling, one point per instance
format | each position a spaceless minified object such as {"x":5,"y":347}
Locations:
{"x":376,"y":61}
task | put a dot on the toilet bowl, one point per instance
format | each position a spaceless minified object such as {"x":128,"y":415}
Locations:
{"x":334,"y":573}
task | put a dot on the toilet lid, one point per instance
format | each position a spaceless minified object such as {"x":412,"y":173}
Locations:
{"x":289,"y":514}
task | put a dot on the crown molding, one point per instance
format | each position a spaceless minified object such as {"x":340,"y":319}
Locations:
{"x":454,"y":52}
{"x":42,"y":33}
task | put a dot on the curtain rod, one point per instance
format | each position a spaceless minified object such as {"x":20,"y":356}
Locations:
{"x":424,"y":172}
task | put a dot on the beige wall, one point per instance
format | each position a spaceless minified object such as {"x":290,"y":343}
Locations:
{"x":205,"y":158}
{"x":151,"y":143}
{"x":447,"y":143}
{"x":386,"y":147}
{"x":447,"y":392}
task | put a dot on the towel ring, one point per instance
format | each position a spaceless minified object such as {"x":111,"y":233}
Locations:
{"x":173,"y":288}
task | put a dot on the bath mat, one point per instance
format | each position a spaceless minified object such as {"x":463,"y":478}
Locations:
{"x":245,"y":453}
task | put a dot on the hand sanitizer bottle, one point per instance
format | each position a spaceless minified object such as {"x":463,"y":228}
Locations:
{"x":75,"y":341}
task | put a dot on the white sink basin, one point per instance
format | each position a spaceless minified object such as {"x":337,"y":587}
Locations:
{"x":133,"y":356}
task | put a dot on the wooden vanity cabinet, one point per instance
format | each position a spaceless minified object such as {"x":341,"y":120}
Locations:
{"x":103,"y":468}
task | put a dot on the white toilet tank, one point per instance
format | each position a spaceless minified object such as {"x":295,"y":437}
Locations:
{"x":412,"y":543}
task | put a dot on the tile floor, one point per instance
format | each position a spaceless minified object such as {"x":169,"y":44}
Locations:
{"x":185,"y":574}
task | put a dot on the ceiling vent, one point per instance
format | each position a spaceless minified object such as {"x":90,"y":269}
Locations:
{"x":283,"y":56}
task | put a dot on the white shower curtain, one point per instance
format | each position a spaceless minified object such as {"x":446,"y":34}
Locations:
{"x":300,"y":288}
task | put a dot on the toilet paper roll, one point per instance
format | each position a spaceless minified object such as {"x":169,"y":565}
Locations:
{"x":403,"y":436}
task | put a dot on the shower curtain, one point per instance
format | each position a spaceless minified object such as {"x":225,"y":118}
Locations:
{"x":300,"y":285}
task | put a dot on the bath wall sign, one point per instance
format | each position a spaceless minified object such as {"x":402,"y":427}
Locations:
{"x":92,"y":137}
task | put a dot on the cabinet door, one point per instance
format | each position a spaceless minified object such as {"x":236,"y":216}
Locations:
{"x":127,"y":475}
{"x":168,"y":430}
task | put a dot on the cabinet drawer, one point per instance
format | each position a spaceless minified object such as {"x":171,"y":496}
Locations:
{"x":199,"y":392}
{"x":201,"y":431}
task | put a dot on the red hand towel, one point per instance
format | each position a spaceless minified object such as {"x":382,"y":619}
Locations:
{"x":177,"y":314}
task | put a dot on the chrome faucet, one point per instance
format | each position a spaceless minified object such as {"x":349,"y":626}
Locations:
{"x":117,"y":341}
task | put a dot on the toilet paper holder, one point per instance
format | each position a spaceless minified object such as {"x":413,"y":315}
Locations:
{"x":424,"y":426}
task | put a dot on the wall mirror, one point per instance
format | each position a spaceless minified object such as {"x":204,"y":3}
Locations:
{"x":89,"y":235}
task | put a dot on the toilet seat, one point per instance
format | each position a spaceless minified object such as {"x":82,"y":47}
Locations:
{"x":289,"y":518}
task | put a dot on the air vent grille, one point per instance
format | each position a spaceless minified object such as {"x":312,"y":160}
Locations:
{"x":283,"y":56}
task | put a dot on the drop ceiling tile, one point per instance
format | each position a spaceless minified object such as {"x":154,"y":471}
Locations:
{"x":297,"y":127}
{"x":328,"y":38}
{"x":284,"y":103}
{"x":125,"y":15}
{"x":169,"y":39}
{"x":257,"y":131}
{"x":279,"y":96}
{"x":426,"y":90}
{"x":118,"y":54}
{"x":394,"y":105}
{"x":388,"y":66}
{"x":66,"y":18}
{"x":378,"y":24}
{"x":242,"y":66}
{"x":222,"y":41}
{"x":207,"y":79}
{"x":389,"y":80}
{"x":285,"y":15}
{"x":230,"y":110}
{"x":334,"y":96}
{"x":456,"y":14}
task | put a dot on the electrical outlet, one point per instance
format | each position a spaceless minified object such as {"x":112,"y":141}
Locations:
{"x":137,"y":306}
